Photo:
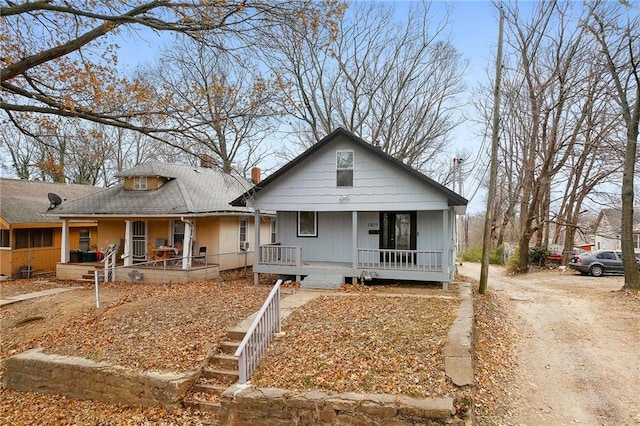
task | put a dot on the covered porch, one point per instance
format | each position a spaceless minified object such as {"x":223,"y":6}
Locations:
{"x":420,"y":265}
{"x":159,"y":272}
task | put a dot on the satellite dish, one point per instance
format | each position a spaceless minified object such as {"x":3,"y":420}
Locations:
{"x":54,"y":199}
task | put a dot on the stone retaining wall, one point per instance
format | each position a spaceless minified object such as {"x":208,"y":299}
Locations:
{"x":245,"y":405}
{"x":34,"y":371}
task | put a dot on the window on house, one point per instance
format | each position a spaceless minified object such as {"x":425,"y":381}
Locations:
{"x":272,"y":227}
{"x":140,"y":183}
{"x":243,"y":234}
{"x":31,"y":238}
{"x":344,"y":168}
{"x":85,"y":239}
{"x":4,"y":238}
{"x":636,"y":241}
{"x":307,"y":224}
{"x":178,"y":232}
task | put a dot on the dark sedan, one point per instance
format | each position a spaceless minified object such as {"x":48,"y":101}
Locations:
{"x":599,"y":262}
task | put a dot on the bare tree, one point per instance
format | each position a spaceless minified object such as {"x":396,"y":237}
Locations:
{"x":392,"y":82}
{"x":546,"y":110}
{"x":615,"y":29}
{"x":59,"y":59}
{"x":222,"y":104}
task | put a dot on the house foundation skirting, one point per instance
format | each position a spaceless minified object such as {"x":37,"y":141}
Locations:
{"x":312,"y":269}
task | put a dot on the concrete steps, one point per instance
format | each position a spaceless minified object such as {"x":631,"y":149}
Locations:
{"x":322,"y":281}
{"x":220,"y":373}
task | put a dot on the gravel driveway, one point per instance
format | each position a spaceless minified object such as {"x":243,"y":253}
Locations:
{"x":578,"y":350}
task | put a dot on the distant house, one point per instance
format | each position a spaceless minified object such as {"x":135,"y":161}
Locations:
{"x":30,"y":242}
{"x":169,"y":210}
{"x":608,"y":229}
{"x":345,"y":210}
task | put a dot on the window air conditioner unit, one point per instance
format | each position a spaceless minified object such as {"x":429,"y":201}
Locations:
{"x":244,"y":245}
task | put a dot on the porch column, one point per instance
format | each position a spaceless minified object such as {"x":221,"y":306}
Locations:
{"x":128,"y":243}
{"x":354,"y":239}
{"x":256,"y":251}
{"x":447,"y":242}
{"x":64,"y":244}
{"x":186,"y":244}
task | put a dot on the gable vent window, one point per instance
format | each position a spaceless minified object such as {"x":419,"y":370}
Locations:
{"x":344,"y":168}
{"x":140,"y":183}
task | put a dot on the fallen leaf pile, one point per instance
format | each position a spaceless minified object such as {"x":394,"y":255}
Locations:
{"x":362,"y":343}
{"x":494,"y":363}
{"x":160,"y":328}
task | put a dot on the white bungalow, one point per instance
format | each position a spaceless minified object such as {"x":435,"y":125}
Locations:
{"x":345,"y":209}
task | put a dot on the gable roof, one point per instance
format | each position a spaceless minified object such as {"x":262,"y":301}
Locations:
{"x":188,"y":191}
{"x":23,"y":201}
{"x":614,"y":219}
{"x":453,"y":199}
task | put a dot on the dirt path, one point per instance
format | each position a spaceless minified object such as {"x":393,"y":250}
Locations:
{"x":578,"y":355}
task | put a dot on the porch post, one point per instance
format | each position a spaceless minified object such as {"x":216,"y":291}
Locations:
{"x":186,"y":244}
{"x":256,"y":251}
{"x":446,"y":247}
{"x":64,"y":244}
{"x":128,"y":243}
{"x":354,"y":239}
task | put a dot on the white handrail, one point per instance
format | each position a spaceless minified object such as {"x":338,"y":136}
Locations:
{"x":109,"y":266}
{"x":260,"y":333}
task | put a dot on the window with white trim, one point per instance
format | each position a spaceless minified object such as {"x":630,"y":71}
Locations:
{"x":243,"y":234}
{"x":307,"y":224}
{"x":344,"y":168}
{"x":140,"y":183}
{"x":274,"y":235}
{"x":4,"y":238}
{"x":85,"y":240}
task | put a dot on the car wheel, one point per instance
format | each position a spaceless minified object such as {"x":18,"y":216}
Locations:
{"x":597,"y":270}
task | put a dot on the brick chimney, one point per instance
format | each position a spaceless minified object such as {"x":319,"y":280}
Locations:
{"x":255,"y":175}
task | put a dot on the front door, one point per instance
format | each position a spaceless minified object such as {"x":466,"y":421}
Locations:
{"x":139,"y":239}
{"x":398,"y":232}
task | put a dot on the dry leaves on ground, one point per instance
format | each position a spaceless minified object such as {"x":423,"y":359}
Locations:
{"x":150,"y":327}
{"x":494,"y":363}
{"x":165,"y":328}
{"x":363,"y":343}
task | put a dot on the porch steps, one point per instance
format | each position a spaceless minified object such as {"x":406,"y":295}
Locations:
{"x":89,"y":276}
{"x":322,"y":281}
{"x":220,"y":373}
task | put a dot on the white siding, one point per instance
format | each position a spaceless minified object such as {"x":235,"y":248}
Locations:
{"x":378,"y":186}
{"x":429,"y":231}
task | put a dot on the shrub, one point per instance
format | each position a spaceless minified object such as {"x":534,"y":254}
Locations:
{"x":496,"y":257}
{"x":513,"y":261}
{"x":472,"y":254}
{"x":538,"y":255}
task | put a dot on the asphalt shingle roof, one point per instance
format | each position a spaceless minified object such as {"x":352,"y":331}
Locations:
{"x":23,"y":201}
{"x":453,"y":198}
{"x":190,"y":190}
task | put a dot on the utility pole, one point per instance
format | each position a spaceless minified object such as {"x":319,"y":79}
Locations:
{"x":493,"y":174}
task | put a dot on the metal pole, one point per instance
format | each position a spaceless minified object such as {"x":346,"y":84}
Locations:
{"x":95,"y":277}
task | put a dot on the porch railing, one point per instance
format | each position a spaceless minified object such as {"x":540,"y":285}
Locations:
{"x":400,"y":260}
{"x":275,"y":254}
{"x":260,"y":333}
{"x":109,"y":266}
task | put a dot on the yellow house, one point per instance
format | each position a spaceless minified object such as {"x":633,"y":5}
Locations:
{"x":170,"y":212}
{"x":30,"y":242}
